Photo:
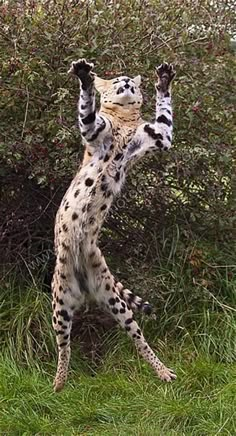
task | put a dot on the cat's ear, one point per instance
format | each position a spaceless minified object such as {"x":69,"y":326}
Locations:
{"x":137,"y":80}
{"x":101,"y":85}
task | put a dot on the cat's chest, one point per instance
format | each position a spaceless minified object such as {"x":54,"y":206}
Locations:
{"x":123,"y":134}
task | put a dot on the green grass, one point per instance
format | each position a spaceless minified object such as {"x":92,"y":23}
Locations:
{"x":193,"y":332}
{"x":123,"y":397}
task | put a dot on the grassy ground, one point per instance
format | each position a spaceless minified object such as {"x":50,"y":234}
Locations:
{"x":122,"y":398}
{"x":115,"y":392}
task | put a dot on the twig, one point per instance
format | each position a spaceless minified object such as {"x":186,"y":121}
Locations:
{"x":222,"y":305}
{"x":28,"y":269}
{"x":26,"y":112}
{"x":161,"y":45}
{"x":202,"y":38}
{"x":218,"y":266}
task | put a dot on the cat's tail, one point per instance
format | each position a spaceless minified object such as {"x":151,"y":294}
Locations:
{"x":135,"y":302}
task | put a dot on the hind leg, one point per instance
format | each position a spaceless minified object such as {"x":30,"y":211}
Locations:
{"x":124,"y":316}
{"x":66,"y":299}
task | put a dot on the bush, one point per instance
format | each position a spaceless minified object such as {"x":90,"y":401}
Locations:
{"x":189,"y":189}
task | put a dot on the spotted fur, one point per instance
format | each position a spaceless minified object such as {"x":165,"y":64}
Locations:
{"x":115,"y":138}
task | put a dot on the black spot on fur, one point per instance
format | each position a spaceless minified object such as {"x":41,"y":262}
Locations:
{"x":131,"y":297}
{"x":103,"y":207}
{"x":115,"y":310}
{"x":112,"y":301}
{"x":93,"y":192}
{"x":106,"y":158}
{"x":122,"y":310}
{"x":96,"y":133}
{"x":96,"y":265}
{"x":59,"y":332}
{"x":107,"y":287}
{"x":118,"y":156}
{"x":129,"y":321}
{"x":92,"y":254}
{"x":63,"y":344}
{"x":89,"y":119}
{"x":159,"y":144}
{"x":76,"y":193}
{"x":104,"y":187}
{"x":107,"y":194}
{"x":89,"y":182}
{"x":65,"y":228}
{"x":54,"y":319}
{"x":74,"y":216}
{"x":163,"y":119}
{"x":117,"y":177}
{"x":63,"y":276}
{"x":64,"y":315}
{"x":151,"y":132}
{"x":66,"y":247}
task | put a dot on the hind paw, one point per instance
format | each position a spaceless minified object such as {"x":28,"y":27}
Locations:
{"x":167,"y":375}
{"x":58,"y":384}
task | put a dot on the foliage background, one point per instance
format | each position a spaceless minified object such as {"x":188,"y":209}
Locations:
{"x":169,"y":237}
{"x":178,"y":208}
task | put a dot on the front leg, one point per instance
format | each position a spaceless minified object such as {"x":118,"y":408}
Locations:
{"x":158,"y":135}
{"x":93,"y":126}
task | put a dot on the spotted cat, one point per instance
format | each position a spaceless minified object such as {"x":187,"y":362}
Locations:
{"x":115,"y":138}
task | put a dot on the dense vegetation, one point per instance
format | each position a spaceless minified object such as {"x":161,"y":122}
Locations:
{"x":169,"y":236}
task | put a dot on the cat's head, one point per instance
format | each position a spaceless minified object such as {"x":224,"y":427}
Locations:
{"x":120,"y":92}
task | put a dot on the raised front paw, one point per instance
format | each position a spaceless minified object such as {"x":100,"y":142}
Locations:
{"x":83,"y":70}
{"x":165,"y":73}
